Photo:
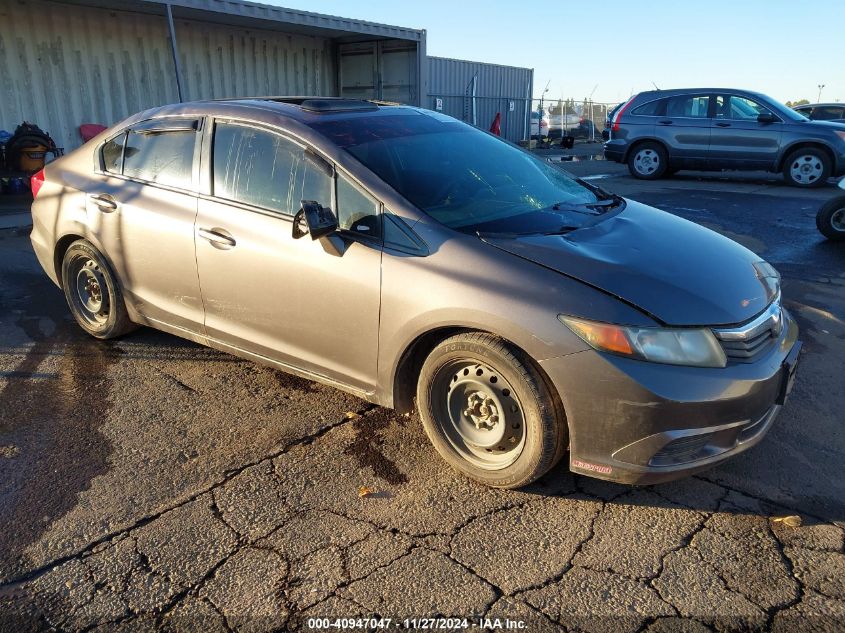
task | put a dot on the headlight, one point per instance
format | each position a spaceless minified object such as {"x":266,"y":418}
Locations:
{"x":673,"y":346}
{"x":770,"y":278}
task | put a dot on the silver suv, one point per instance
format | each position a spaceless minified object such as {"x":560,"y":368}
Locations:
{"x":658,"y":133}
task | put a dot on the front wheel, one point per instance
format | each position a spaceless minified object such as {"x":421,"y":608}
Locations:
{"x":648,"y":161}
{"x":830,"y":219}
{"x":807,"y":167}
{"x":489,"y":412}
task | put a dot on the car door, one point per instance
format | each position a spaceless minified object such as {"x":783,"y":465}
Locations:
{"x":310,"y":305}
{"x":738,"y":139}
{"x":142,"y":212}
{"x":684,"y":128}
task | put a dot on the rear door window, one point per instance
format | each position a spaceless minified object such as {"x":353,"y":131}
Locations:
{"x":161,"y":152}
{"x":688,"y":106}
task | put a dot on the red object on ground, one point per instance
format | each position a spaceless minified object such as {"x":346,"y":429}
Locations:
{"x":90,"y":130}
{"x":496,"y":128}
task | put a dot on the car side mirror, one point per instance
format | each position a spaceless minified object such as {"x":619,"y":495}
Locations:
{"x":767,"y":117}
{"x":314,"y":220}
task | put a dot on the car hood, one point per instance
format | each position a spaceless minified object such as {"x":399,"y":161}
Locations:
{"x":831,"y":125}
{"x":677,"y":271}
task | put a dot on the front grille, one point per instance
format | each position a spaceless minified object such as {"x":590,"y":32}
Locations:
{"x":749,"y":349}
{"x":745,"y":343}
{"x":680,"y":451}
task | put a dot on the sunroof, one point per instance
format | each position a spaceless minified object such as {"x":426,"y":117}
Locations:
{"x":329,"y":104}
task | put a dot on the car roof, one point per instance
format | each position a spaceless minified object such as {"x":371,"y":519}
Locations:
{"x":822,"y":105}
{"x":304,"y":109}
{"x":676,"y":91}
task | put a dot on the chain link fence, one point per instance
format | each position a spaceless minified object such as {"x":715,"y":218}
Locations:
{"x":584,"y":120}
{"x":521,"y":119}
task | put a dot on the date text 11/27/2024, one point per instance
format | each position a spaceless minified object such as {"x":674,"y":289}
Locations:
{"x":416,"y":624}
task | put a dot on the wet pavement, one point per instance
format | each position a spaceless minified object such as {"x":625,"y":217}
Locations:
{"x":153,"y":484}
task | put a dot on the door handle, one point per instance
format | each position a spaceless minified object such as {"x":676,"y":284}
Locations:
{"x":218,"y":237}
{"x":665,"y":121}
{"x":103,"y":201}
{"x":722,"y":124}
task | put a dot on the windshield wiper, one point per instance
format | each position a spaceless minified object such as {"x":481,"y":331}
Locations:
{"x":513,"y":234}
{"x":594,"y":208}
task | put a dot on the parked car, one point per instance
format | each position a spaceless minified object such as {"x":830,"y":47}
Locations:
{"x":539,"y":125}
{"x":830,"y":219}
{"x":823,"y":111}
{"x":416,"y":261}
{"x":562,"y":124}
{"x":660,"y":132}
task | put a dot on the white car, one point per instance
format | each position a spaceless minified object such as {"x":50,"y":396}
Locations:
{"x":558,"y":122}
{"x":541,"y":123}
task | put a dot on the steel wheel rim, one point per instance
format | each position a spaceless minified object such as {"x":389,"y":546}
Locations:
{"x":478,"y":413}
{"x":90,"y":291}
{"x":806,"y":169}
{"x":837,"y":220}
{"x":646,"y":161}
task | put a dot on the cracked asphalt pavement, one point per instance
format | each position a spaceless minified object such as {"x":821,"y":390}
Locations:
{"x":152,"y":484}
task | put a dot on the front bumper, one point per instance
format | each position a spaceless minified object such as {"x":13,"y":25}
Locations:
{"x":638,"y":422}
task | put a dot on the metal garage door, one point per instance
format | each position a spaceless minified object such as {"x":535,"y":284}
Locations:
{"x":379,"y":70}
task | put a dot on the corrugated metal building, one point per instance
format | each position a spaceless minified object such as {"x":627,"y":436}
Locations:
{"x":474,"y":92}
{"x":65,"y":63}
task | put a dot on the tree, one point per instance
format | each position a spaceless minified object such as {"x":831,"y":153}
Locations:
{"x":800,"y":102}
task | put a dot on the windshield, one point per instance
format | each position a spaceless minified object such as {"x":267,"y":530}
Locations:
{"x":464,"y":178}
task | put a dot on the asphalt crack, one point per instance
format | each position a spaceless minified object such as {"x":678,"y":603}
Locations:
{"x":227,"y":476}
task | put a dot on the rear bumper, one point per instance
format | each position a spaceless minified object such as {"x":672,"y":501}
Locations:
{"x":43,"y":250}
{"x":614,"y":150}
{"x":636,"y":422}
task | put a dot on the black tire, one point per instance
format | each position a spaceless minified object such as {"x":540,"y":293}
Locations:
{"x":93,"y":293}
{"x":648,"y":161}
{"x":527,"y":425}
{"x":807,"y":167}
{"x":830,"y":219}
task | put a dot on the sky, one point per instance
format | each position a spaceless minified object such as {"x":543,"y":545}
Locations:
{"x":613,"y":48}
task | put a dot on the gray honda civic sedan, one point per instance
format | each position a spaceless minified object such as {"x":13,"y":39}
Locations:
{"x":420,"y":263}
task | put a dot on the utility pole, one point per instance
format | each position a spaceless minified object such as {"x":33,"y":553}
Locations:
{"x":540,"y":114}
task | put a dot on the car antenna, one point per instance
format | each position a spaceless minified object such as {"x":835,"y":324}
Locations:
{"x":655,"y":86}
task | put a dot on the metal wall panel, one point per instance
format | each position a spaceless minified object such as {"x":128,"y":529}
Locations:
{"x":220,"y":62}
{"x":64,"y":65}
{"x":451,"y":80}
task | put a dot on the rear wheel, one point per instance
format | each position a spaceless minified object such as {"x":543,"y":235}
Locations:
{"x":93,"y":293}
{"x":648,"y":161}
{"x":807,"y":167}
{"x":830,"y":219}
{"x":489,"y":412}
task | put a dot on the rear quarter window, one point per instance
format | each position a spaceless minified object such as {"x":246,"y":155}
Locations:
{"x":112,"y":155}
{"x":652,"y":108}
